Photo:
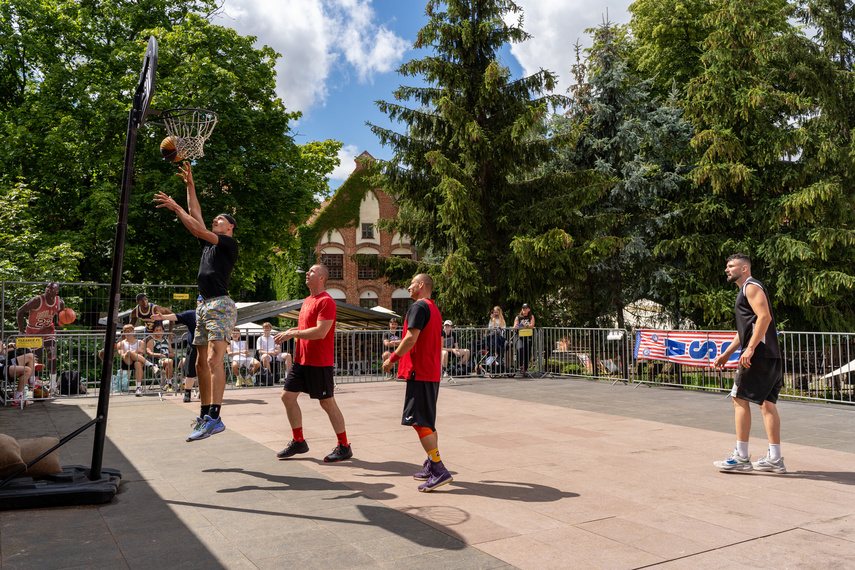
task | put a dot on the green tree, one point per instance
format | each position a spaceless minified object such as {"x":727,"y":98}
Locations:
{"x":69,"y":70}
{"x":465,"y":172}
{"x":628,"y":137}
{"x":743,"y":107}
{"x":27,"y":254}
{"x":813,"y":263}
{"x":669,"y":37}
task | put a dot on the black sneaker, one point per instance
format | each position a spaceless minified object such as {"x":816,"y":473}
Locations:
{"x":340,"y":453}
{"x":187,"y":396}
{"x":294,"y":447}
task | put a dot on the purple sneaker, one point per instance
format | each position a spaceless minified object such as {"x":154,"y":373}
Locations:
{"x":439,"y":476}
{"x":424,"y":474}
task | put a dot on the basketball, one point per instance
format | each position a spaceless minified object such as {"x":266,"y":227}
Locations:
{"x":169,"y":151}
{"x":41,"y":393}
{"x":66,"y":316}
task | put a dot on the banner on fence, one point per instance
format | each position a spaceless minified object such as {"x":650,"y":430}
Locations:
{"x":693,"y":348}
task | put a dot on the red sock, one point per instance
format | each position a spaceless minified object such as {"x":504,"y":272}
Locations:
{"x":298,"y":434}
{"x":342,"y":438}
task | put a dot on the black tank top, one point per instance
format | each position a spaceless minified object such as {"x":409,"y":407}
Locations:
{"x":746,"y":318}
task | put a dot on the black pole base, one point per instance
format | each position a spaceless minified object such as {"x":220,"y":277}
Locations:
{"x":70,"y":488}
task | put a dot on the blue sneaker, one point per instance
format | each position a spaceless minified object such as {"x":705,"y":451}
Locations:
{"x":735,"y":462}
{"x":196,"y":425}
{"x":209,"y":427}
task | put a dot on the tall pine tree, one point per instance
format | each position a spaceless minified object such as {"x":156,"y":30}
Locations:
{"x":466,"y":171}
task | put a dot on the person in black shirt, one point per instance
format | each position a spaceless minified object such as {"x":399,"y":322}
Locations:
{"x":216,"y":314}
{"x":524,"y":322}
{"x":759,"y":378}
{"x":188,"y":319}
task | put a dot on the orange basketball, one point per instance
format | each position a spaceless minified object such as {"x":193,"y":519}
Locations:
{"x":66,"y":316}
{"x":169,"y":150}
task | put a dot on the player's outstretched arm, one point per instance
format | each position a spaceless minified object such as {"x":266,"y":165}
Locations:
{"x":186,"y":174}
{"x":196,"y":227}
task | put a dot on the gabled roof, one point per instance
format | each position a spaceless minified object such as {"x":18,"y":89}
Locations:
{"x":348,"y":317}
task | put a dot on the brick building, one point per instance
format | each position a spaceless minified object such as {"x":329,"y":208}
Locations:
{"x":348,"y":281}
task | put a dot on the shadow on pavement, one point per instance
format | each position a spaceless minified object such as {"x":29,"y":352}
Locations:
{"x":96,"y":536}
{"x":387,"y":519}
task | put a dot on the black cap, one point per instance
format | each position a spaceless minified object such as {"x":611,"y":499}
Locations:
{"x":230,"y":219}
{"x":525,"y":306}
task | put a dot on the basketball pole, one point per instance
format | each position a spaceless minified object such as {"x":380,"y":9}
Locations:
{"x":135,"y":118}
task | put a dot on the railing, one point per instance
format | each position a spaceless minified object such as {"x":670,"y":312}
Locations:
{"x":817,"y":366}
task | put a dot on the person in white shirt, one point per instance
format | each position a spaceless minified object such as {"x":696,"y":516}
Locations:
{"x":240,"y":356}
{"x":269,"y":351}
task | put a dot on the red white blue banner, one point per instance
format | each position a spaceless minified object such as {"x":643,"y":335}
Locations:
{"x":693,"y":348}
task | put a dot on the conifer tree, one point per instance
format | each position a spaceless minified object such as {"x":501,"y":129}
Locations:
{"x":638,"y":143}
{"x":743,"y":108}
{"x":466,"y":170}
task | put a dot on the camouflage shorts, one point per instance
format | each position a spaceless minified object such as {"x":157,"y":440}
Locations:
{"x":215,"y":319}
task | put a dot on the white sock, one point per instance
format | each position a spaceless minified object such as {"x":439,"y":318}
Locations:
{"x":774,"y":451}
{"x":149,"y":364}
{"x":19,"y":395}
{"x":742,"y":448}
{"x":53,"y":382}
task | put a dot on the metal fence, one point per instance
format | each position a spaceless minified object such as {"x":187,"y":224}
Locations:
{"x":817,"y":366}
{"x":90,"y":301}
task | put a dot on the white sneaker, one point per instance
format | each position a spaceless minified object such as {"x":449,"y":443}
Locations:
{"x":155,"y":368}
{"x":735,"y":462}
{"x":139,"y":391}
{"x":766,"y":464}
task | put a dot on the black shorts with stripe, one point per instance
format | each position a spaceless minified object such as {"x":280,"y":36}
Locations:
{"x":190,"y":362}
{"x":761,"y":382}
{"x":316,"y":381}
{"x":420,"y":404}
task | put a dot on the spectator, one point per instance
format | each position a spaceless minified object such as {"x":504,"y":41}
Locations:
{"x":450,"y":345}
{"x":132,"y":354}
{"x":495,"y":332}
{"x":391,"y":340}
{"x":188,"y":364}
{"x":241,"y":357}
{"x":20,"y":364}
{"x":524,"y":322}
{"x":35,"y":318}
{"x":270,"y":351}
{"x":145,"y":312}
{"x":159,"y":349}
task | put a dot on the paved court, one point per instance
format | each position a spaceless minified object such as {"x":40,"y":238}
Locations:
{"x":549,"y":473}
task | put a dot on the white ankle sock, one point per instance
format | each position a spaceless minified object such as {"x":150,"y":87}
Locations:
{"x":742,"y":448}
{"x":774,"y":451}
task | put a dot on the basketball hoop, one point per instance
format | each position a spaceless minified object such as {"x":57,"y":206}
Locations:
{"x":190,"y":129}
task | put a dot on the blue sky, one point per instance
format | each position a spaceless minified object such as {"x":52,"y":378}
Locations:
{"x":340,"y":56}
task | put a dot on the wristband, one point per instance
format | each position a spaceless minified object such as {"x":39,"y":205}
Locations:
{"x":394,"y":358}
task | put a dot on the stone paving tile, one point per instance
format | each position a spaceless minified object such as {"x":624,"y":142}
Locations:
{"x":548,"y":473}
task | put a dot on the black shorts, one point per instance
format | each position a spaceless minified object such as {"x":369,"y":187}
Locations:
{"x":762,"y":382}
{"x":420,"y":404}
{"x":316,"y":381}
{"x":190,"y":362}
{"x":126,"y":366}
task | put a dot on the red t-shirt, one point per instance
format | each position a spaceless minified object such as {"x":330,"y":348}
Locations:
{"x":422,"y":362}
{"x":319,"y":352}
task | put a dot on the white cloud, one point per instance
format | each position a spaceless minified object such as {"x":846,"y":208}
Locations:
{"x":312,"y":37}
{"x":347,"y":164}
{"x":556,"y":26}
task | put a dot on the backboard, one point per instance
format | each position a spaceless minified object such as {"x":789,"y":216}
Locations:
{"x":145,"y":89}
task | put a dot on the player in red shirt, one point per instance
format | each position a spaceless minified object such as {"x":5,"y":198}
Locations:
{"x":312,"y":371}
{"x":36,"y":318}
{"x":420,"y":355}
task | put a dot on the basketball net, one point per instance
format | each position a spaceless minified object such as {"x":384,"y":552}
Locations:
{"x":190,"y":128}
